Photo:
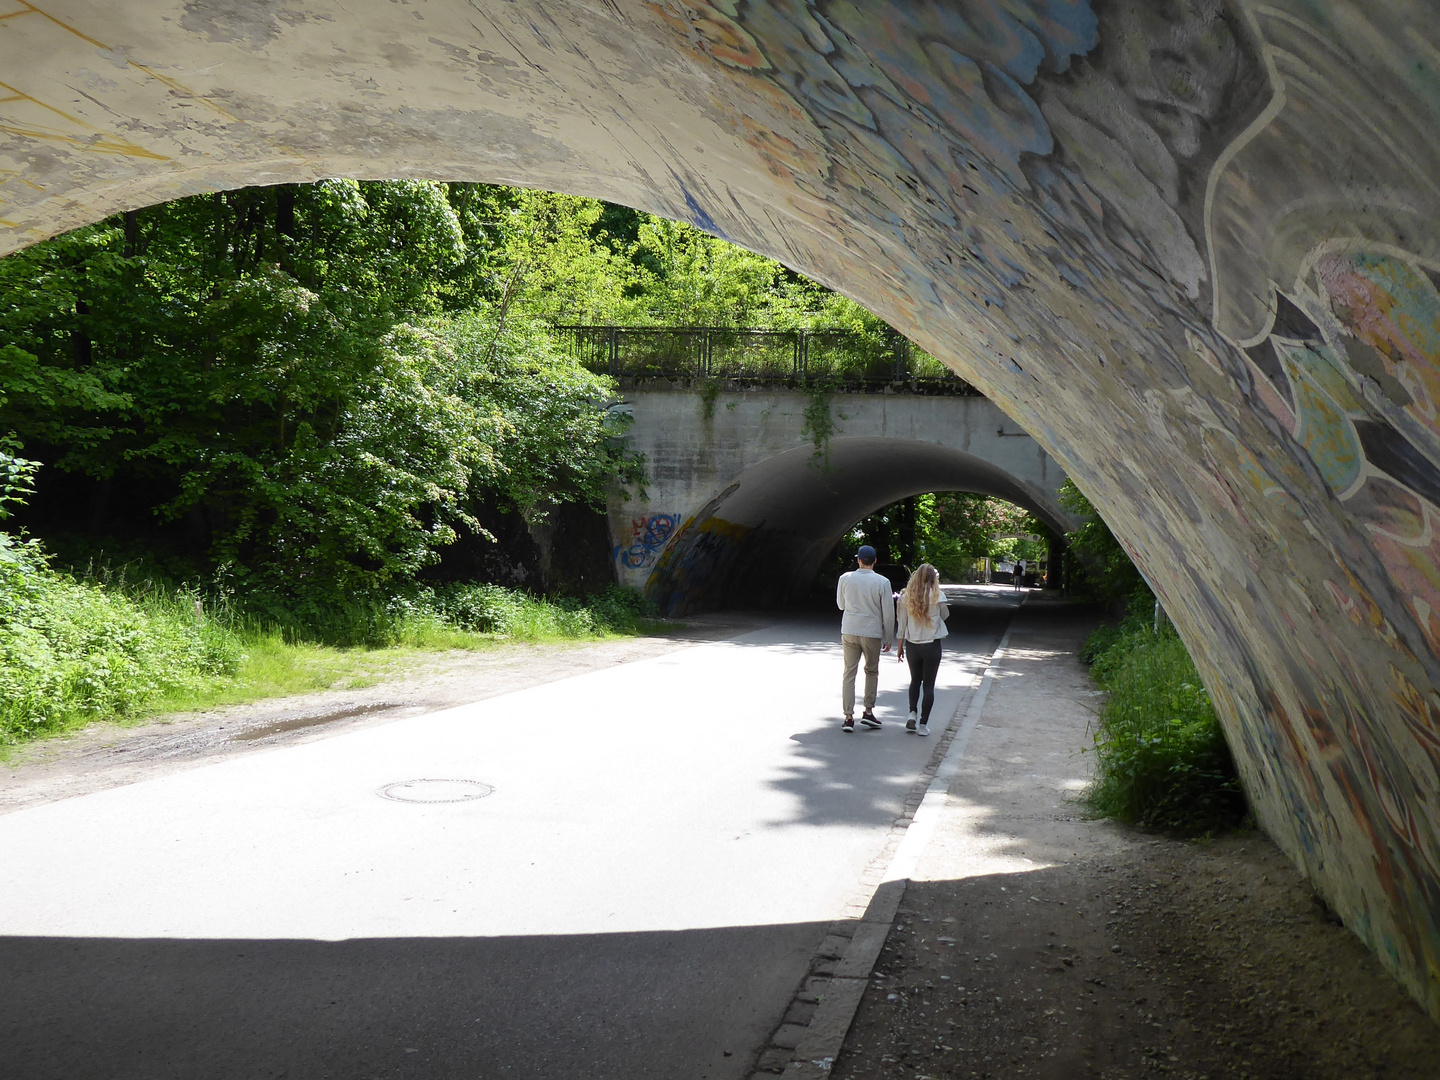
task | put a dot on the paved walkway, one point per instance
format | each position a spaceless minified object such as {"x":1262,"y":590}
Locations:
{"x":663,"y":850}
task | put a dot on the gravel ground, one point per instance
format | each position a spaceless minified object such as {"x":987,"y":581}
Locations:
{"x":1171,"y":959}
{"x":1035,"y":943}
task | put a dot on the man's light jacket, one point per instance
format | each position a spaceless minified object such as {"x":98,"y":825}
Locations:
{"x":866,"y":599}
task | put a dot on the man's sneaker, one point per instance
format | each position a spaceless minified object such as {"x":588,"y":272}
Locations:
{"x":923,"y":729}
{"x":849,"y":724}
{"x":869,"y":719}
{"x":910,"y":724}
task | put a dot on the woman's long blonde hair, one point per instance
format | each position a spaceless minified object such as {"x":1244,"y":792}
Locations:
{"x":922,"y":592}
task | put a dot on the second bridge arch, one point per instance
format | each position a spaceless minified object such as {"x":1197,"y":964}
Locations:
{"x":748,"y":491}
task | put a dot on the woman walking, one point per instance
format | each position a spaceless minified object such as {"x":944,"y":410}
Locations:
{"x":920,"y":627}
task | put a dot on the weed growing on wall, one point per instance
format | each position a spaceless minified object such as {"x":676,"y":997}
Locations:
{"x":1161,"y":757}
{"x":819,"y":426}
{"x":709,"y":391}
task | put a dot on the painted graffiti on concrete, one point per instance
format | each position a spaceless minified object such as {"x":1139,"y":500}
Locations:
{"x":1116,"y":141}
{"x":648,"y":535}
{"x":697,"y":564}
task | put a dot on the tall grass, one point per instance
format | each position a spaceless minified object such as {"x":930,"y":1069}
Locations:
{"x":451,"y":615}
{"x":1162,"y":759}
{"x":73,"y":651}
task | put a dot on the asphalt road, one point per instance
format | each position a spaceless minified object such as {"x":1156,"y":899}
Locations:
{"x":638,"y":896}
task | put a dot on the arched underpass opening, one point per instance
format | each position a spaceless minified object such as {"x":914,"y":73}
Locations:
{"x":1194,"y":252}
{"x":967,"y":536}
{"x":761,"y":540}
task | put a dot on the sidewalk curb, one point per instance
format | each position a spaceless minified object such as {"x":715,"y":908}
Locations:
{"x":832,"y":992}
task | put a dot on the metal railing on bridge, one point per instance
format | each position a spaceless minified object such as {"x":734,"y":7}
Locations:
{"x":841,"y":358}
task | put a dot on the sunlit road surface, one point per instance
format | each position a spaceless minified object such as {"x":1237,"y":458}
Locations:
{"x":639,"y":894}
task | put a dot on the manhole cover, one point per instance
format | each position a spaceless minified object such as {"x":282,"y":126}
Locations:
{"x":435,"y":791}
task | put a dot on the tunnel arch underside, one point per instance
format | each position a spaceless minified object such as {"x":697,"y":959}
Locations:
{"x":1242,"y":389}
{"x":762,"y":539}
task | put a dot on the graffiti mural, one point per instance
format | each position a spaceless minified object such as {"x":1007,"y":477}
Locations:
{"x":648,"y":534}
{"x":1135,"y":149}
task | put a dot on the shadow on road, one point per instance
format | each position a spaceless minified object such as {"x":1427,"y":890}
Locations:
{"x":863,"y":778}
{"x":589,"y":1007}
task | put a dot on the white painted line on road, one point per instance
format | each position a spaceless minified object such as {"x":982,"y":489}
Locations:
{"x":817,"y":1049}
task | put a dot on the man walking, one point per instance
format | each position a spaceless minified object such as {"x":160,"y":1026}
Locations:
{"x":866,"y":629}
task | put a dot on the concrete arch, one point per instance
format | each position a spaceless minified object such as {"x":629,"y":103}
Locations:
{"x":764,"y":536}
{"x":743,"y":503}
{"x":1194,"y":250}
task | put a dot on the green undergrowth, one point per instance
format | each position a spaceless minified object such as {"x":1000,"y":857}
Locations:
{"x":73,"y":651}
{"x":1161,"y":757}
{"x":75,"y":648}
{"x":454,"y":615}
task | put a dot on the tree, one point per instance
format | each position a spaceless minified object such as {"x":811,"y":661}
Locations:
{"x":270,"y":375}
{"x":952,"y":529}
{"x":1106,"y":565}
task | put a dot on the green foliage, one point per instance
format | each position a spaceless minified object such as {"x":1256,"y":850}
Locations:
{"x":17,"y":481}
{"x":1107,"y":567}
{"x":555,"y":442}
{"x":951,"y":530}
{"x":313,"y":388}
{"x":1161,"y":757}
{"x":574,"y":260}
{"x":555,"y":261}
{"x":73,"y":651}
{"x":984,"y":526}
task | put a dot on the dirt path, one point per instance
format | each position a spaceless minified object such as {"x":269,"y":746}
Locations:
{"x":1034,"y":943}
{"x":109,"y":755}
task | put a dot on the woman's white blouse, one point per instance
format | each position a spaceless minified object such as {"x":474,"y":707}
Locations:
{"x":921,"y":632}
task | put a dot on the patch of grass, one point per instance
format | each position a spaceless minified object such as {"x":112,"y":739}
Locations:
{"x":453,"y":615}
{"x":1162,"y":759}
{"x":271,"y":667}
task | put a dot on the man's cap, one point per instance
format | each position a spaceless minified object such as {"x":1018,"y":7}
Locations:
{"x":866,"y":553}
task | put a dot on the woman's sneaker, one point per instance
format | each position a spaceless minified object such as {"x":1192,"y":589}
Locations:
{"x":910,"y":724}
{"x":923,"y":729}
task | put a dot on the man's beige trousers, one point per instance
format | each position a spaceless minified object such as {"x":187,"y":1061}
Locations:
{"x":855,"y":646}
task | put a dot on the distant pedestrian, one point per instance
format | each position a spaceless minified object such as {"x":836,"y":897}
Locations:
{"x":1018,"y":578}
{"x":923,"y":612}
{"x":866,"y":629}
